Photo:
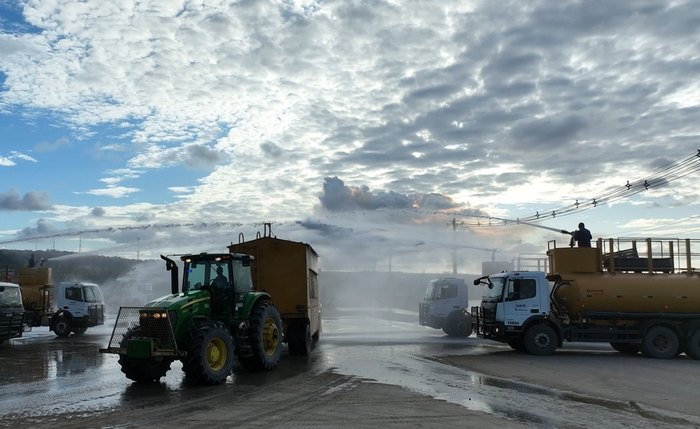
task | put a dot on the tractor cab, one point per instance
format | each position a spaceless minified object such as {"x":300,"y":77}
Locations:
{"x":225,"y":275}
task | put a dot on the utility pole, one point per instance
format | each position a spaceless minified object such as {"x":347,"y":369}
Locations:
{"x":454,"y":246}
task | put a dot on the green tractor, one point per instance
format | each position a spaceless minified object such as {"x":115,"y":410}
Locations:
{"x":215,"y":318}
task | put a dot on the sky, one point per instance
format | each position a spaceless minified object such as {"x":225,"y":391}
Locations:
{"x":390,"y":135}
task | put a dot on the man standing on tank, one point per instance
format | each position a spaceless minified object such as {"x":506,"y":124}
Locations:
{"x":582,"y":236}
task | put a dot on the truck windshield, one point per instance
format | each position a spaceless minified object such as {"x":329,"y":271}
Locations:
{"x":494,"y":294}
{"x":432,"y":291}
{"x":92,"y":294}
{"x":10,"y":297}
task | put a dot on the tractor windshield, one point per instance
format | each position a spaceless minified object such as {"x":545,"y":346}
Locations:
{"x":219,"y":272}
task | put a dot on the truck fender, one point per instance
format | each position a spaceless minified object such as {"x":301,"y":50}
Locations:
{"x":543,"y":319}
{"x":645,"y":326}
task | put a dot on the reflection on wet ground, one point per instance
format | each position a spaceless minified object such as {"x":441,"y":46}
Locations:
{"x":43,"y":377}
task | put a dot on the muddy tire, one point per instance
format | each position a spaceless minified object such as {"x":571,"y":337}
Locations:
{"x":142,"y":370}
{"x":692,"y":345}
{"x":660,"y":342}
{"x":210,"y":354}
{"x":540,"y":340}
{"x":626,"y":348}
{"x":62,"y":326}
{"x":265,"y":336}
{"x":300,"y":341}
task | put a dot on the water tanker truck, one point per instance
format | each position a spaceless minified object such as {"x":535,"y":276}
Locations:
{"x":638,"y":301}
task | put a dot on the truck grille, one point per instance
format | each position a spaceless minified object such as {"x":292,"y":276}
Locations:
{"x":139,"y":322}
{"x":11,"y":324}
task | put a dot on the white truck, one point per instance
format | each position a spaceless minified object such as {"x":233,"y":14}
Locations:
{"x":445,"y":307}
{"x":71,"y":306}
{"x":11,"y":311}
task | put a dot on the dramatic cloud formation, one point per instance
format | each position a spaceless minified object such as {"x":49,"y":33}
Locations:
{"x":351,"y":119}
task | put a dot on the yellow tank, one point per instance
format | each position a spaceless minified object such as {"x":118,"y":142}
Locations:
{"x":628,"y":292}
{"x":36,"y":287}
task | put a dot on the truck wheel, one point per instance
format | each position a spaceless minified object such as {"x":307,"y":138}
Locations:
{"x":660,"y":342}
{"x":142,"y":370}
{"x":300,"y":341}
{"x":540,"y":340}
{"x":210,"y":354}
{"x":626,"y":348}
{"x":79,"y":330}
{"x":517,"y":344}
{"x":265,"y":337}
{"x":62,"y":326}
{"x":692,"y":345}
{"x":458,"y":325}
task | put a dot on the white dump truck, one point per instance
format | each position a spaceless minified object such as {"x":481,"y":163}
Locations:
{"x":71,"y":306}
{"x":445,"y":307}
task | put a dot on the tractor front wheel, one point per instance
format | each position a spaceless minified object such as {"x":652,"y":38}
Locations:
{"x":142,"y":370}
{"x":210,"y":355}
{"x":265,"y":336}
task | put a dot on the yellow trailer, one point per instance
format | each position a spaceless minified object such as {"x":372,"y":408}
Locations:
{"x":288,"y":271}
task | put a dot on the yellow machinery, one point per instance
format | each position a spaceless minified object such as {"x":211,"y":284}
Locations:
{"x":288,"y":271}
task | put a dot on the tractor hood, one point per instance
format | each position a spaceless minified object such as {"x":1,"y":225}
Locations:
{"x":180,"y":300}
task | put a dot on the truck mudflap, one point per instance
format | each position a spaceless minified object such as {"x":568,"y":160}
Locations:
{"x":143,"y":333}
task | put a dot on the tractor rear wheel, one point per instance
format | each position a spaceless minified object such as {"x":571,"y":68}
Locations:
{"x":265,"y":336}
{"x":210,"y":355}
{"x":142,"y":370}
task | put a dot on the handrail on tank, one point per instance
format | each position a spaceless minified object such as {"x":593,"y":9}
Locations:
{"x":241,"y":239}
{"x":668,"y":255}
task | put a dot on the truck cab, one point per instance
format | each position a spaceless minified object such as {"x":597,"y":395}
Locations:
{"x":511,"y":303}
{"x":11,"y":311}
{"x":79,"y":307}
{"x":444,"y":307}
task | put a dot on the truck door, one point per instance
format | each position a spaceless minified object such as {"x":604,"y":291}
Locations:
{"x":520,"y":300}
{"x":73,"y":301}
{"x":446,"y":300}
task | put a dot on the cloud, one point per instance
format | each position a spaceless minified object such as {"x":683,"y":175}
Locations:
{"x":201,"y":156}
{"x":112,"y":191}
{"x":43,"y":227}
{"x":9,"y":161}
{"x":97,"y":212}
{"x":31,"y":201}
{"x":337,"y":196}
